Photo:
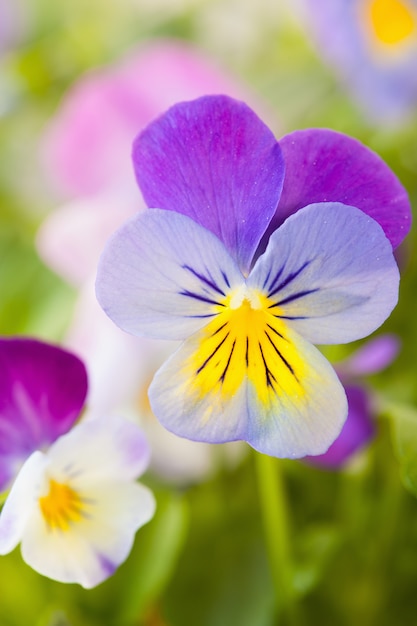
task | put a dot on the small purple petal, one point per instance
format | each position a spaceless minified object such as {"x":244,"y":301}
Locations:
{"x":325,"y":166}
{"x":374,"y":356}
{"x":107,"y":566}
{"x":214,"y":160}
{"x":42,"y":392}
{"x":357,"y":431}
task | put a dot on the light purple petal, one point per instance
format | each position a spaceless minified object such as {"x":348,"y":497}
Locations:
{"x":330,"y":272}
{"x":374,"y":356}
{"x":325,"y":166}
{"x":42,"y":392}
{"x":214,"y":160}
{"x":356,"y":433}
{"x":163,"y":276}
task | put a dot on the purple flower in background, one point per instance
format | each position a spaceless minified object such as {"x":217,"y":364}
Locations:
{"x":42,"y":392}
{"x":73,"y":504}
{"x":359,"y":428}
{"x":372,"y":45}
{"x":257,"y":250}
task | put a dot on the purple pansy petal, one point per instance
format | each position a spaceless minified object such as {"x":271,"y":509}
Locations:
{"x":373,"y":357}
{"x":326,"y":166}
{"x":357,"y":431}
{"x":42,"y":392}
{"x":291,"y":420}
{"x":214,"y":160}
{"x":330,"y":272}
{"x":162,"y":275}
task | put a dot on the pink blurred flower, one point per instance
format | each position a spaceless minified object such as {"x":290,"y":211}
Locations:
{"x":88,"y":144}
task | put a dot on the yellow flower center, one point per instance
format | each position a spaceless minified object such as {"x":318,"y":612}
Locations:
{"x":392,"y":21}
{"x":248,"y":339}
{"x":61,"y":507}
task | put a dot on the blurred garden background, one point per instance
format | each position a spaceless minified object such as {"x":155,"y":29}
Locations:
{"x":78,"y":80}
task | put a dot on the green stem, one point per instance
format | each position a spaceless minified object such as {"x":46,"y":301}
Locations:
{"x":275,"y":520}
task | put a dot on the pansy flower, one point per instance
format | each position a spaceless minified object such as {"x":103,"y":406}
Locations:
{"x":372,"y":44}
{"x":217,"y":266}
{"x":360,"y":426}
{"x":74,"y":504}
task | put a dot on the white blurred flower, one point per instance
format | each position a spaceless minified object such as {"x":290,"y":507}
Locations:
{"x":75,"y":508}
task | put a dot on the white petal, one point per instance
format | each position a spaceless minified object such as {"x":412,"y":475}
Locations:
{"x":162,"y":275}
{"x":100,"y":449}
{"x":21,"y":501}
{"x":91,"y":549}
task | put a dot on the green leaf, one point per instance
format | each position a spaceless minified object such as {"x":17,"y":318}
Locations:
{"x":404,"y":434}
{"x":154,"y":556}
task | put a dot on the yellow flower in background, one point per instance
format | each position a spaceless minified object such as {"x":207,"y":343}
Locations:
{"x":372,"y":46}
